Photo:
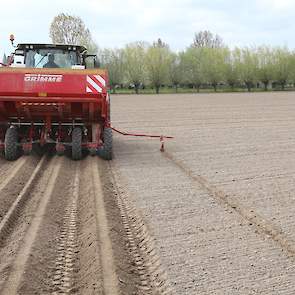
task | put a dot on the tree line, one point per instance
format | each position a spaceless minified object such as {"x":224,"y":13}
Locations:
{"x":156,"y":65}
{"x":206,"y":62}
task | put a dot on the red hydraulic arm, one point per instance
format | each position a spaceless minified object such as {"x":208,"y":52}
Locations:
{"x":161,"y":137}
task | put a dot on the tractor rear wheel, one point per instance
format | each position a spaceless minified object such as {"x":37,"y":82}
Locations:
{"x":11,"y":144}
{"x":77,"y":143}
{"x":107,"y":149}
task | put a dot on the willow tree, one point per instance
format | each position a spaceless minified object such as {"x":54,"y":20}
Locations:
{"x":134,"y":63}
{"x":230,"y":68}
{"x":214,"y":63}
{"x":247,"y":66}
{"x":112,"y":60}
{"x":175,"y":70}
{"x":158,"y":60}
{"x":282,"y":66}
{"x":266,"y":65}
{"x":193,"y":65}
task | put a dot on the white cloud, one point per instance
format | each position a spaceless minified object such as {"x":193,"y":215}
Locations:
{"x":276,"y":5}
{"x":114,"y":23}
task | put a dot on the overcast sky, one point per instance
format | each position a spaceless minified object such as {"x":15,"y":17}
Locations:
{"x":114,"y":23}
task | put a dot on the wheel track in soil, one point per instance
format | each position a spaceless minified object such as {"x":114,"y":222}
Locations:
{"x":64,"y":275}
{"x":12,"y":214}
{"x":64,"y":278}
{"x":110,"y":281}
{"x":149,"y":276}
{"x":22,"y":256}
{"x":261,"y":224}
{"x":152,"y":278}
{"x":8,"y":170}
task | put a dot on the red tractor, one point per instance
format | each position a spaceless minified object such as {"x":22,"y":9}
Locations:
{"x":54,"y":95}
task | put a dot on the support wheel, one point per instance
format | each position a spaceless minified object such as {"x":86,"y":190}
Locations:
{"x":107,"y":149}
{"x":60,"y":153}
{"x":11,"y":144}
{"x":92,"y":152}
{"x":27,"y":152}
{"x":77,"y":143}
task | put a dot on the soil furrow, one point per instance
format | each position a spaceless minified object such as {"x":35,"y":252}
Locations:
{"x":152,"y":278}
{"x":64,"y":275}
{"x":7,"y":173}
{"x":13,"y":181}
{"x":13,"y":212}
{"x":71,"y":231}
{"x":110,"y":281}
{"x":262,"y":225}
{"x":21,"y":258}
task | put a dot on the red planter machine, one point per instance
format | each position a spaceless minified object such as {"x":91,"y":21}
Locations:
{"x":48,"y":95}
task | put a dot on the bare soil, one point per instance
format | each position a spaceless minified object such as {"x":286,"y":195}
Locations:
{"x":52,"y":244}
{"x":220,"y":201}
{"x":213,"y":214}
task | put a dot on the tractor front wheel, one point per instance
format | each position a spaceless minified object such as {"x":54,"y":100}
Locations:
{"x":77,"y":143}
{"x":11,"y":144}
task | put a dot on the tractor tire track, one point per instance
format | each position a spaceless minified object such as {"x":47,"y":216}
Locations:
{"x":8,"y":171}
{"x":262,"y":225}
{"x":72,"y":229}
{"x":19,"y":202}
{"x":13,"y":179}
{"x":110,"y":281}
{"x":151,"y":277}
{"x":18,"y":267}
{"x":64,"y":275}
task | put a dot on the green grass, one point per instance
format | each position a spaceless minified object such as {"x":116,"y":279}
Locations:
{"x":169,"y":90}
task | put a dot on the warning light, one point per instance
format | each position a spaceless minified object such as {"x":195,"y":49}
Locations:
{"x":11,"y":39}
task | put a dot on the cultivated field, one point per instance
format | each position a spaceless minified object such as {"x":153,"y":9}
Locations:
{"x":220,"y":202}
{"x":213,"y":214}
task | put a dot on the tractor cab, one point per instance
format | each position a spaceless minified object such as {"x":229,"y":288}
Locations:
{"x":52,"y":56}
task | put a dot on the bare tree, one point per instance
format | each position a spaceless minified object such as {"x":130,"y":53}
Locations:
{"x":207,"y":39}
{"x":160,"y":44}
{"x":68,"y":29}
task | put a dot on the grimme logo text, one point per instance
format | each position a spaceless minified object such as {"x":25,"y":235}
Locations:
{"x":43,"y":78}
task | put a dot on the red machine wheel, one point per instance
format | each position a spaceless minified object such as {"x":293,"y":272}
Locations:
{"x":107,"y":150}
{"x":77,"y":143}
{"x":11,"y":144}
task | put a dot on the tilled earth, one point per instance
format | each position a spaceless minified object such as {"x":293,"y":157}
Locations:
{"x":65,"y":228}
{"x":220,"y":201}
{"x":213,"y":214}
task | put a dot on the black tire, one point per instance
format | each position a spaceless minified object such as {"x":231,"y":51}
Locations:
{"x":11,"y":144}
{"x":60,"y":153}
{"x":38,"y":149}
{"x":27,"y":153}
{"x":107,"y":149}
{"x":92,"y":152}
{"x":77,"y":143}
